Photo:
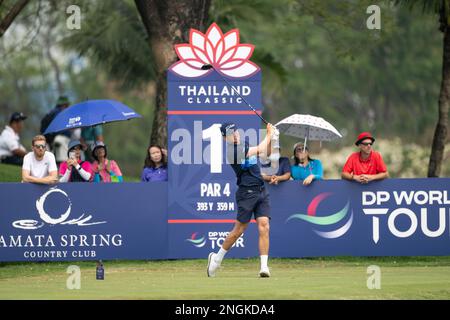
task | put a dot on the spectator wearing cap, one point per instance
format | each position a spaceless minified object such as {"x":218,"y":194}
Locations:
{"x":75,"y":170}
{"x":155,"y":166}
{"x":105,"y":170}
{"x":366,"y":165}
{"x":39,"y":166}
{"x":11,"y":150}
{"x":305,"y":168}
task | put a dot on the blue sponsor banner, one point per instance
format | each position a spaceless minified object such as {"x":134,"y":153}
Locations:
{"x":83,"y":221}
{"x":399,"y":217}
{"x":393,"y":217}
{"x":77,"y":221}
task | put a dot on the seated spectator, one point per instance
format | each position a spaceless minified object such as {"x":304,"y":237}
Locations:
{"x":105,"y":170}
{"x":305,"y":168}
{"x":366,"y":165}
{"x":75,"y":170}
{"x":279,"y":173}
{"x":11,"y":151}
{"x":155,"y":167}
{"x":39,"y":166}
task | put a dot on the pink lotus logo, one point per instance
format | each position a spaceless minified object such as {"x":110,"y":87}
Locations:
{"x":221,"y":51}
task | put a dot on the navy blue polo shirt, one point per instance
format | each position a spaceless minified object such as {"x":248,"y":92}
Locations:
{"x":246,"y":168}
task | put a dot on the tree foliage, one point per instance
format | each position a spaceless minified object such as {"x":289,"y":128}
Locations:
{"x":317,"y":57}
{"x":114,"y":39}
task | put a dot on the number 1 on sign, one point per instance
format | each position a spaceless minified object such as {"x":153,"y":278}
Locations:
{"x":213,"y":133}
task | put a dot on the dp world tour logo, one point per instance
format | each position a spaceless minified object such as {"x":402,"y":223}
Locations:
{"x":29,"y":224}
{"x":329,"y":220}
{"x":197,"y":242}
{"x":222,"y":52}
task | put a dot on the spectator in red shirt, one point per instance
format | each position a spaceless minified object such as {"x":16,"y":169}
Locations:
{"x":366,"y":165}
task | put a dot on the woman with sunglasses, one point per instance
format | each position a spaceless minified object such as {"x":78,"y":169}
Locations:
{"x":366,"y":165}
{"x":305,"y":168}
{"x":39,"y":166}
{"x":75,"y":170}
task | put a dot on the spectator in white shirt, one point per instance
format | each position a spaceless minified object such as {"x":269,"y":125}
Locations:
{"x":39,"y":166}
{"x":11,"y":151}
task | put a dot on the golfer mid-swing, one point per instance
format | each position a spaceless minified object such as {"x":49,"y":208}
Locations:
{"x":251,"y":196}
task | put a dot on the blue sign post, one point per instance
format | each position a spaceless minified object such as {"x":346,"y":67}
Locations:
{"x":201,"y":185}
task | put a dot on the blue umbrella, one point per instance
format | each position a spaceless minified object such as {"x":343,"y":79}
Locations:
{"x":90,"y":113}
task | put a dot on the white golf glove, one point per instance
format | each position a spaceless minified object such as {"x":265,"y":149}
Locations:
{"x":275,"y":133}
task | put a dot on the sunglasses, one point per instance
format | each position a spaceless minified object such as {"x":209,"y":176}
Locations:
{"x":39,"y":146}
{"x":366,"y":143}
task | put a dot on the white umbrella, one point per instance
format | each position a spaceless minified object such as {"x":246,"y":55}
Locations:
{"x":308,"y":127}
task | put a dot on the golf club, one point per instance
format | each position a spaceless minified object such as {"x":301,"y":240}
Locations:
{"x":209,"y":66}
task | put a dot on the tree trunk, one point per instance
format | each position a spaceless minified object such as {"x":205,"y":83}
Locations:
{"x":11,"y":15}
{"x":167,"y":23}
{"x":48,"y":39}
{"x":54,"y":65}
{"x":440,"y":134}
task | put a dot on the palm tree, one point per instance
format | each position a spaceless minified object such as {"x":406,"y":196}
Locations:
{"x":442,"y":8}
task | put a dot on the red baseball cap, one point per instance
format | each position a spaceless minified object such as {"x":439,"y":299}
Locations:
{"x":364,"y":135}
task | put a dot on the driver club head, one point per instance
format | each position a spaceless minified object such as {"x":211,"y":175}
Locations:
{"x":206,"y":67}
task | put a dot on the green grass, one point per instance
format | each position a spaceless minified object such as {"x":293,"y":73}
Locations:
{"x":318,"y":278}
{"x":10,"y":173}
